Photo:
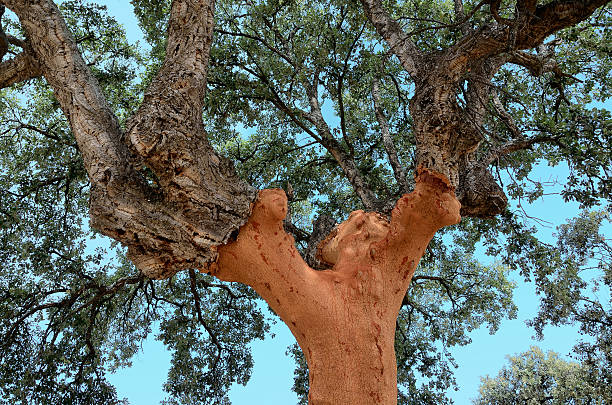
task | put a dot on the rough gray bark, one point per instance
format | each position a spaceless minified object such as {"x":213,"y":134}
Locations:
{"x":391,"y":31}
{"x":19,"y":69}
{"x":199,"y":202}
{"x":4,"y":43}
{"x":446,"y":132}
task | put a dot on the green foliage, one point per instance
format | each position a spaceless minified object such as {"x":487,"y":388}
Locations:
{"x":577,"y":289}
{"x":448,"y":299}
{"x":262,"y":63}
{"x":300,"y":377}
{"x":210,"y":349}
{"x":72,"y":308}
{"x":535,"y":378}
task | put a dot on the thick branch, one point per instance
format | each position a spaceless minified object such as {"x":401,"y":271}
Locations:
{"x":461,"y":18}
{"x":480,"y":88}
{"x":391,"y":31}
{"x":19,"y":69}
{"x":168,"y":130}
{"x":531,"y":26}
{"x":95,"y":127}
{"x":201,"y":201}
{"x":4,"y":42}
{"x":118,"y":195}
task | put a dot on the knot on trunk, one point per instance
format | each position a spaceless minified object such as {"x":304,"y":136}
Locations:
{"x":479,"y":193}
{"x":351,"y":239}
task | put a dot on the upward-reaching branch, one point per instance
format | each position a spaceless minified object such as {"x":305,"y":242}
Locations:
{"x":95,"y":126}
{"x":168,"y":130}
{"x":346,"y":162}
{"x":4,"y":42}
{"x":388,"y":143}
{"x":391,"y":31}
{"x":201,"y":201}
{"x":19,"y":69}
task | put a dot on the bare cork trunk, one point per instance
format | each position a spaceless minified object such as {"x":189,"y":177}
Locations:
{"x":343,"y":318}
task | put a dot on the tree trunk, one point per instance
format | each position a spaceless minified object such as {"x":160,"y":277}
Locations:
{"x":351,"y":356}
{"x":344,"y":317}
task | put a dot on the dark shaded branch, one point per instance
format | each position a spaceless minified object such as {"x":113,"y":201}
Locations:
{"x":340,"y":92}
{"x":261,"y":40}
{"x":321,"y":228}
{"x":506,"y":117}
{"x":104,"y":291}
{"x":494,"y":8}
{"x":516,"y":145}
{"x":461,"y":22}
{"x":538,"y":64}
{"x":298,"y":234}
{"x":68,"y":301}
{"x":461,"y":18}
{"x":4,"y":41}
{"x":443,"y":282}
{"x":16,"y":41}
{"x":211,"y":333}
{"x":43,"y":132}
{"x":530,"y":27}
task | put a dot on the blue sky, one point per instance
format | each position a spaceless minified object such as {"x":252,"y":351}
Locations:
{"x":273,"y":372}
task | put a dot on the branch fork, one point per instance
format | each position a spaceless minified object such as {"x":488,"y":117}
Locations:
{"x":370,"y":262}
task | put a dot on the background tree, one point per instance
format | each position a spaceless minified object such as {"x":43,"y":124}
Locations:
{"x":582,"y":265}
{"x":537,"y":378}
{"x":487,"y":93}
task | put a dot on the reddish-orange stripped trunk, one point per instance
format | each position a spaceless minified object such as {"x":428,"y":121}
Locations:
{"x":343,"y":318}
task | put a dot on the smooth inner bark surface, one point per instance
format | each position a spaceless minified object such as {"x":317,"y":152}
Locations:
{"x":344,"y":317}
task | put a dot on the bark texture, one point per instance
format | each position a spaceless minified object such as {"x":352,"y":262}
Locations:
{"x":343,"y":313}
{"x":342,"y":317}
{"x":195,"y":201}
{"x":447,"y":133}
